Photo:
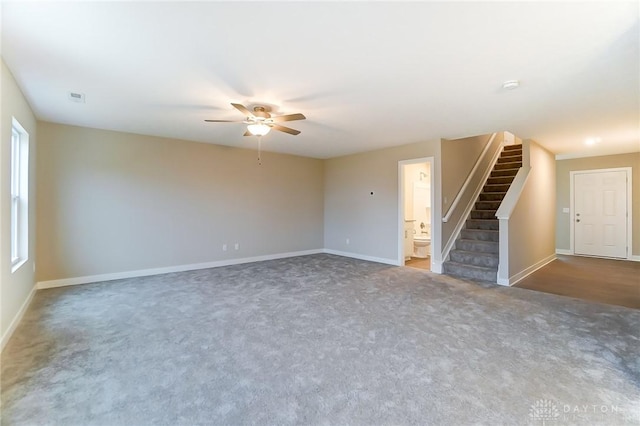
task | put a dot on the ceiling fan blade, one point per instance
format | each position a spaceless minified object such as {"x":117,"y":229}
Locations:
{"x":285,"y":129}
{"x":243,"y":110}
{"x":223,"y":121}
{"x":289,"y":117}
{"x":247,"y":133}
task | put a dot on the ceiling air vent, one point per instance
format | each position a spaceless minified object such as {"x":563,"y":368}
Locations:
{"x":76,"y":97}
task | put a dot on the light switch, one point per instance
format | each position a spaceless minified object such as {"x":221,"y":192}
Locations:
{"x":565,"y":210}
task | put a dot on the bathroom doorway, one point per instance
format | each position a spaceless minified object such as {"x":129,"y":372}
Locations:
{"x":416,"y":201}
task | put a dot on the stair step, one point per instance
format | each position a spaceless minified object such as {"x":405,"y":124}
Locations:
{"x":483,"y":214}
{"x":510,"y":152}
{"x":501,"y":180}
{"x":510,"y":165}
{"x":479,"y":234}
{"x":478,"y":273}
{"x":510,"y":159}
{"x":476,"y":252}
{"x":495,"y":188}
{"x":504,"y":172}
{"x":477,"y":245}
{"x":487,"y":205}
{"x":491,"y":196}
{"x":491,"y":224}
{"x":488,"y":260}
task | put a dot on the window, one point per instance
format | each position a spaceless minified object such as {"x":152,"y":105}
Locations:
{"x":19,"y":195}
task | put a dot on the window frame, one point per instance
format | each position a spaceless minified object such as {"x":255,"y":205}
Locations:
{"x":19,"y":213}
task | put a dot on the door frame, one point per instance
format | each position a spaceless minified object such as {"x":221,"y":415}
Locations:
{"x":435,"y":230}
{"x":629,"y":206}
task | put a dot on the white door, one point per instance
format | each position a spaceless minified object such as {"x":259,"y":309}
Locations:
{"x":600,"y":213}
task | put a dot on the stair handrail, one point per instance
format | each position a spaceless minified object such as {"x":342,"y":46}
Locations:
{"x":448,"y":246}
{"x":456,"y":200}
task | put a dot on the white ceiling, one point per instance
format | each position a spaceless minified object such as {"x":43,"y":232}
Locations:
{"x":366,"y":74}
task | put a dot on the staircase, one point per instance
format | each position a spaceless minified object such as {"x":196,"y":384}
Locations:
{"x":476,"y":250}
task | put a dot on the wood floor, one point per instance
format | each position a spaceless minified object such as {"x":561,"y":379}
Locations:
{"x":615,"y":282}
{"x":420,"y":263}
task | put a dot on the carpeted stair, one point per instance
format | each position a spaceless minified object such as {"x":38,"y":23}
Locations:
{"x":476,"y":251}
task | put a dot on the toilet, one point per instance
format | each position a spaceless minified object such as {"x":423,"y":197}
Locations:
{"x":421,"y":246}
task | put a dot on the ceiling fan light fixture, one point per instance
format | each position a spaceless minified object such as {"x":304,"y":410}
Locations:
{"x":260,"y":122}
{"x":258,"y":129}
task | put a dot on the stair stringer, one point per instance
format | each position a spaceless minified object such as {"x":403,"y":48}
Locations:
{"x":508,"y":139}
{"x":476,"y":253}
{"x":504,"y":212}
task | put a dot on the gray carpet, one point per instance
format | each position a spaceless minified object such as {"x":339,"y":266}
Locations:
{"x":314,"y":340}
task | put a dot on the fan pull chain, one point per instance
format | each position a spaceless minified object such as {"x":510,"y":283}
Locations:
{"x":259,"y":150}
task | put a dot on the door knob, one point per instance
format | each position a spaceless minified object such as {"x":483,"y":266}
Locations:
{"x":577,"y":220}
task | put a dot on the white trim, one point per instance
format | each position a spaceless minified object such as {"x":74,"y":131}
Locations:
{"x":16,"y":320}
{"x":564,"y":251}
{"x":18,"y":264}
{"x":526,"y":272}
{"x":384,"y":260}
{"x":633,"y":258}
{"x":166,"y":270}
{"x":436,"y":266}
{"x":629,"y":172}
{"x":502,"y":277}
{"x":512,"y":196}
{"x":435,"y":213}
{"x":20,"y":151}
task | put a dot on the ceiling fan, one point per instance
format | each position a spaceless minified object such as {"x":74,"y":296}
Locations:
{"x":260,"y":122}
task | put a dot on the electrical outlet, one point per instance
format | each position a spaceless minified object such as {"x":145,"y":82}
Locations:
{"x":237,"y":246}
{"x":224,"y":247}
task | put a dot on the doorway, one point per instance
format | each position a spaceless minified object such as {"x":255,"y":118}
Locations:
{"x":600,"y":213}
{"x":416,"y":181}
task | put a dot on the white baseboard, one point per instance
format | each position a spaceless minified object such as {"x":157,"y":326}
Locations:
{"x":16,"y":320}
{"x":503,"y":281}
{"x":436,"y":266}
{"x":633,"y":258}
{"x":166,"y":270}
{"x":528,"y":271}
{"x":384,"y":260}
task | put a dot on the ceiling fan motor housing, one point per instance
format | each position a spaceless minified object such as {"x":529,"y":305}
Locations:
{"x":260,"y":111}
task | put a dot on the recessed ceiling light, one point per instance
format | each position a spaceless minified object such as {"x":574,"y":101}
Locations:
{"x":511,"y":84}
{"x":592,"y":141}
{"x":76,"y":97}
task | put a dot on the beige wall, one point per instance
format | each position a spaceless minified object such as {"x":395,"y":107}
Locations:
{"x":14,"y":287}
{"x":460,"y":155}
{"x":564,"y":167}
{"x":531,"y":230}
{"x":370,"y":222}
{"x":112,"y":202}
